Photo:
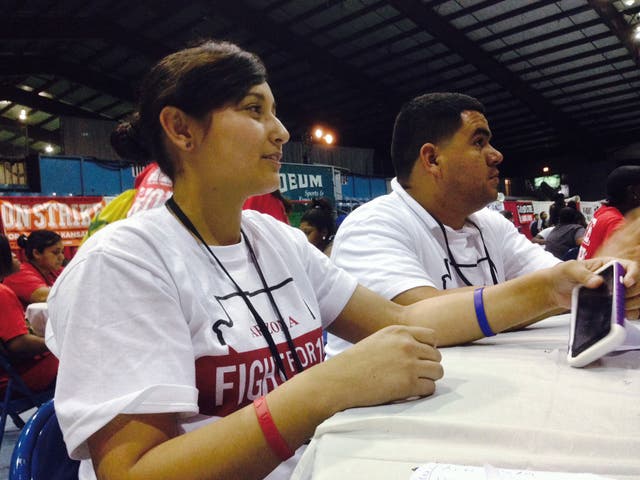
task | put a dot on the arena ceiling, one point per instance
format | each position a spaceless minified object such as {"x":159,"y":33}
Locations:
{"x":558,"y":78}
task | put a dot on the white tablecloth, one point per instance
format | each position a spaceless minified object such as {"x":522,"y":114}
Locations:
{"x":510,"y":401}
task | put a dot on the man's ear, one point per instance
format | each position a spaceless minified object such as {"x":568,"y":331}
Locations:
{"x":428,"y":157}
{"x":178,"y":127}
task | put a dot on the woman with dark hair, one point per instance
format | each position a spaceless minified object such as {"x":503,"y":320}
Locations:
{"x":45,"y":255}
{"x":26,"y":352}
{"x":190,"y":336}
{"x":319,"y":224}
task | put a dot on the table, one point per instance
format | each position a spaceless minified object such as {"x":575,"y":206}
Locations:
{"x":510,"y":401}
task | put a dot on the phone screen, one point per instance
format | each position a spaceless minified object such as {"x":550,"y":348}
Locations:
{"x":593,"y":315}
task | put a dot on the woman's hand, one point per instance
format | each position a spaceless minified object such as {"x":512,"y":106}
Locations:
{"x":565,"y":276}
{"x":395,"y":363}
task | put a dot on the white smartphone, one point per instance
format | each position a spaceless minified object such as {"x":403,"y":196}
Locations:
{"x":597,"y":317}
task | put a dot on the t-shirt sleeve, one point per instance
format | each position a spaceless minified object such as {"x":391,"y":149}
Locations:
{"x":381,"y":255}
{"x":612,"y":226}
{"x":122,"y":340}
{"x":520,"y":255}
{"x":12,"y":323}
{"x":24,"y":283}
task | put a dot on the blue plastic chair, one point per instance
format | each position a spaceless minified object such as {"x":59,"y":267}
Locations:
{"x":17,"y":398}
{"x":41,"y":453}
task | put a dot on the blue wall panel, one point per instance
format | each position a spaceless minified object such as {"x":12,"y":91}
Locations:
{"x":60,"y":175}
{"x":361,"y":188}
{"x":347,"y":186}
{"x":83,"y":176}
{"x":378,"y":187}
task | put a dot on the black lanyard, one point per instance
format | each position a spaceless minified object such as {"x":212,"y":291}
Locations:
{"x":182,"y":217}
{"x":456,"y":266}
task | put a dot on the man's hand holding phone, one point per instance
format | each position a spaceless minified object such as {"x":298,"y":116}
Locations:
{"x":598,"y":317}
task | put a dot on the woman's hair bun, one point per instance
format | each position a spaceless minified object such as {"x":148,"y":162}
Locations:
{"x":126,"y":140}
{"x":22,"y":241}
{"x":321,"y":203}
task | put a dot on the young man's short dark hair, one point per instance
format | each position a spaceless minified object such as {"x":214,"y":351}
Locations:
{"x":429,"y":118}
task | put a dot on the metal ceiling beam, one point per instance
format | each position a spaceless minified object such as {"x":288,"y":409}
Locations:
{"x":508,"y":48}
{"x":540,"y":22}
{"x":618,"y":25}
{"x":79,"y":28}
{"x":456,"y":41}
{"x":36,"y":133}
{"x":30,"y":65}
{"x":542,"y":38}
{"x":37,"y":102}
{"x":346,"y":18}
{"x":606,"y":63}
{"x":566,"y":60}
{"x":558,"y":87}
{"x":256,"y":21}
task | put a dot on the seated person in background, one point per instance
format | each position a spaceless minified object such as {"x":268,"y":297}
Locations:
{"x":580,"y":218}
{"x":273,"y":204}
{"x":539,"y":224}
{"x":542,"y":235}
{"x":623,"y":195}
{"x":45,"y":254}
{"x":432,"y":235}
{"x":26,"y":352}
{"x":319,"y":224}
{"x":566,"y":235}
{"x":554,"y":209}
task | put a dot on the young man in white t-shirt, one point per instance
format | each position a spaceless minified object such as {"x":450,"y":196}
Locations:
{"x":432,"y":235}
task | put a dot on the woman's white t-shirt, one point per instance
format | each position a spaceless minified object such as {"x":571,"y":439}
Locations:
{"x":145,"y":321}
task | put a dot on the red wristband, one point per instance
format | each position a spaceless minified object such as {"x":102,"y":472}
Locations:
{"x":270,"y":430}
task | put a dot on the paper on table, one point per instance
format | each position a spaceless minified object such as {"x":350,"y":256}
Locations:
{"x":445,"y":471}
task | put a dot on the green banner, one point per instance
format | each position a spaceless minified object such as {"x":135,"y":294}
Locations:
{"x":299,"y":181}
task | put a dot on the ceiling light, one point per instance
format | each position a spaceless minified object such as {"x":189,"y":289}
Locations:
{"x":23,"y":115}
{"x":545,"y":169}
{"x":323,"y":135}
{"x":628,"y":3}
{"x":48,"y":148}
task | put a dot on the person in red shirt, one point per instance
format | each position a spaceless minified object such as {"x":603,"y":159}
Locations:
{"x":623,"y":195}
{"x":26,"y":352}
{"x":273,"y":204}
{"x":45,"y":255}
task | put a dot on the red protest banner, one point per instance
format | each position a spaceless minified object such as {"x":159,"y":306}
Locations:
{"x":69,"y":217}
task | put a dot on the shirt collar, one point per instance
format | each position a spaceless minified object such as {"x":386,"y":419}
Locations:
{"x":425,"y":216}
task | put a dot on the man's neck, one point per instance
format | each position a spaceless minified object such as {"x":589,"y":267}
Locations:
{"x":443,"y":210}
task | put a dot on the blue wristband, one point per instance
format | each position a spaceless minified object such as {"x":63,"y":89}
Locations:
{"x":478,"y":303}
